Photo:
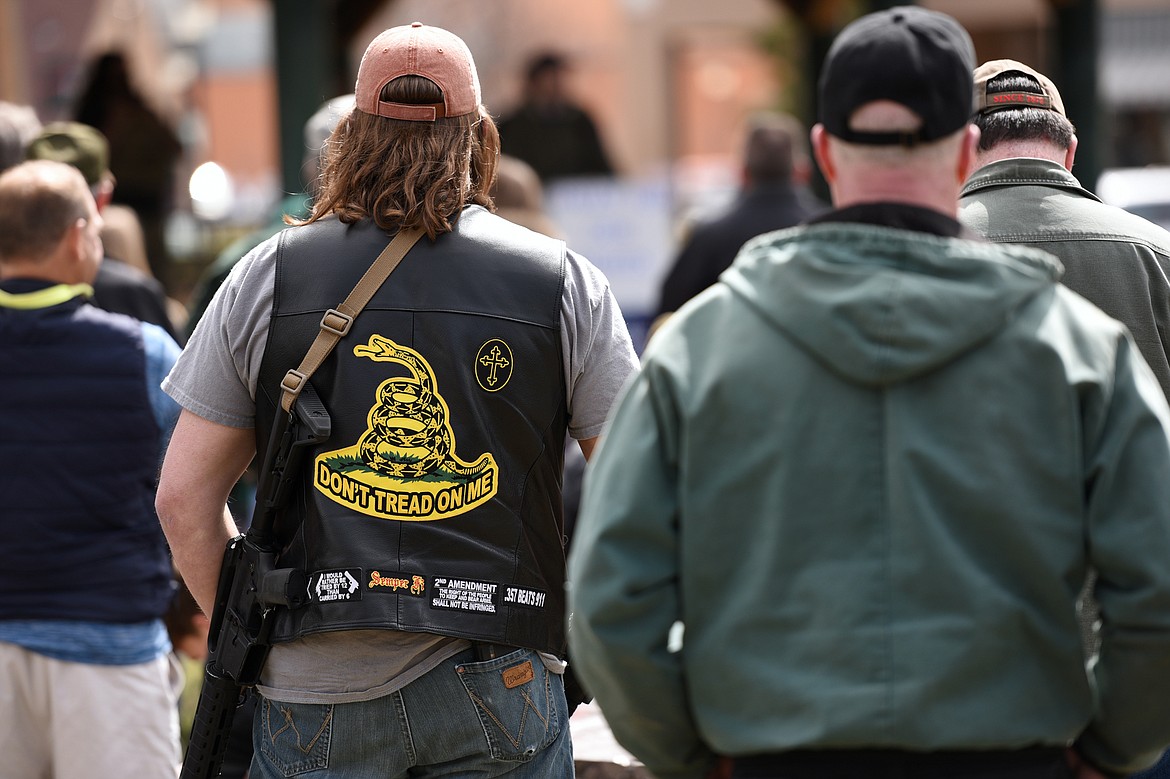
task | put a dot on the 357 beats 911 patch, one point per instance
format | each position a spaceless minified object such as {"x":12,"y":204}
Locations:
{"x":522,"y":596}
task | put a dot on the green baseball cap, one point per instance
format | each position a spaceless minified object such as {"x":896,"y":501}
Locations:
{"x":76,"y":144}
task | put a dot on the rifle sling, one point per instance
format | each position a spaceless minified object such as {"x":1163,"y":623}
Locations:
{"x":337,"y":321}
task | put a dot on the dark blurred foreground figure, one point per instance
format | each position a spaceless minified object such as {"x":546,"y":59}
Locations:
{"x":119,"y":286}
{"x":1023,"y":191}
{"x":774,"y":167}
{"x":434,"y":641}
{"x":550,"y":132}
{"x":868,"y":472}
{"x":89,"y":686}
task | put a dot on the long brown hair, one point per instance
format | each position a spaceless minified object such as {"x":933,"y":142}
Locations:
{"x":407,"y":174}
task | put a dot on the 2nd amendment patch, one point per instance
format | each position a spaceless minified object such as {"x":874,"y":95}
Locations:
{"x":465,"y":595}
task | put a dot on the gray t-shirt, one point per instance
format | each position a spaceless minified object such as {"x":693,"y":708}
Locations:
{"x":215,"y":377}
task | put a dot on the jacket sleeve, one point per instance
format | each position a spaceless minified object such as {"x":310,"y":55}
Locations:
{"x":623,"y":587}
{"x":1127,"y":457}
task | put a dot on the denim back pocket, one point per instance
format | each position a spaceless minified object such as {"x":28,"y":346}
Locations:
{"x":296,"y":735}
{"x":519,"y":701}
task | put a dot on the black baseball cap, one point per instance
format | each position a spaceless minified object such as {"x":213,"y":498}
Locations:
{"x":913,"y":56}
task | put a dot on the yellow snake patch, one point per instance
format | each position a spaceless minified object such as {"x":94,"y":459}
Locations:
{"x":404,"y":466}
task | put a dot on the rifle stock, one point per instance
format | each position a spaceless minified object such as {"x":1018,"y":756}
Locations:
{"x":250,"y":590}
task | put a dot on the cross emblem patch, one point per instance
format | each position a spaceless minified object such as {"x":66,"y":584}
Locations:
{"x":493,"y":365}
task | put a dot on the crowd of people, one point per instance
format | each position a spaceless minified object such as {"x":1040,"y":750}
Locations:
{"x":885,"y":494}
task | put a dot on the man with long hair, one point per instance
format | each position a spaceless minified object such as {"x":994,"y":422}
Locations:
{"x":429,"y":524}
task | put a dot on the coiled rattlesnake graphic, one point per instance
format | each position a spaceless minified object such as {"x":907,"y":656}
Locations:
{"x":409,"y":434}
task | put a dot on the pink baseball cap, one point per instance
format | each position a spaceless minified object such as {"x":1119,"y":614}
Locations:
{"x":418,"y":50}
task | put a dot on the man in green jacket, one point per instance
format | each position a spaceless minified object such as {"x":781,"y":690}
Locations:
{"x":864,"y":476}
{"x":1023,"y":191}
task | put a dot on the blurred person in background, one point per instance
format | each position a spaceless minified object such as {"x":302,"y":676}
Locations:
{"x":492,"y":343}
{"x":89,"y":683}
{"x":119,"y":287}
{"x":869,"y":470}
{"x":519,"y":196}
{"x":18,"y":126}
{"x":549,"y":130}
{"x":296,"y":206}
{"x":143,"y":148}
{"x":774,"y":170}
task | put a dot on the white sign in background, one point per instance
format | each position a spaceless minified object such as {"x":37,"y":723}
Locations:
{"x":624,"y":227}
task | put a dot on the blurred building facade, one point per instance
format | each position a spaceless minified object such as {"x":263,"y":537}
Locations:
{"x":669,"y":82}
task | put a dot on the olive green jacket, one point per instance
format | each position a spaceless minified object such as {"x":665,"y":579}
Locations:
{"x":868,"y":472}
{"x":1116,"y":259}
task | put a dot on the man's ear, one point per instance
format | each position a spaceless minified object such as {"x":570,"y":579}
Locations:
{"x":75,"y":240}
{"x":103,"y":193}
{"x":968,"y":152}
{"x":821,"y":152}
{"x":1071,"y":154}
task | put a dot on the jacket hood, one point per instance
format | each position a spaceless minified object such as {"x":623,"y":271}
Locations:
{"x":879,"y":305}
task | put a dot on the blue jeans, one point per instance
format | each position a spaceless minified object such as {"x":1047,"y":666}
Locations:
{"x":501,"y":717}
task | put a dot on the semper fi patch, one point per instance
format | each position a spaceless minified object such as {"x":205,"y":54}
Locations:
{"x":465,"y":595}
{"x":397,"y":583}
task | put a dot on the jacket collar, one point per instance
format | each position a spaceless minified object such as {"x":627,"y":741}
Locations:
{"x":1024,"y":170}
{"x":900,"y":215}
{"x":32,"y":294}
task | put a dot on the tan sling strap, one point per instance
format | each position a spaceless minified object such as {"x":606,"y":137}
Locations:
{"x":337,"y":321}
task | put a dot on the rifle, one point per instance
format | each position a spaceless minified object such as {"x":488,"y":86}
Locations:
{"x":251,"y":588}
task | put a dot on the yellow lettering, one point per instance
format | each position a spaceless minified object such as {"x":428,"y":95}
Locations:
{"x":473,"y":490}
{"x":481,"y":487}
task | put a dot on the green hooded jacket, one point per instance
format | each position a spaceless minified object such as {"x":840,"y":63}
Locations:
{"x":868,"y":472}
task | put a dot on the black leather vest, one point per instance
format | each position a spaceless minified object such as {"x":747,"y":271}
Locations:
{"x":435,"y":505}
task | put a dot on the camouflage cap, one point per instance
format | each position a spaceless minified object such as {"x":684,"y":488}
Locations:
{"x":76,"y":144}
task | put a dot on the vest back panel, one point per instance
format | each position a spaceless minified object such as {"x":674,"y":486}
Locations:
{"x":435,"y":505}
